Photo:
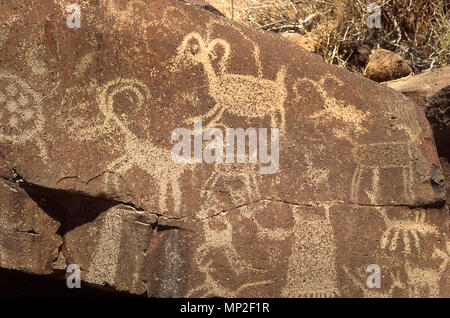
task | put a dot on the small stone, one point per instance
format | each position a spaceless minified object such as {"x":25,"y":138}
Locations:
{"x":385,"y":65}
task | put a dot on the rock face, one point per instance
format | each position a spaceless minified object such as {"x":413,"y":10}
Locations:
{"x":300,"y":40}
{"x":205,"y":5}
{"x":87,"y":175}
{"x":431,"y":90}
{"x":385,"y":65}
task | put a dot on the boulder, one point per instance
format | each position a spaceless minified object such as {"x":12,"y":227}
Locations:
{"x":385,"y":65}
{"x":88,"y":175}
{"x":431,"y":90}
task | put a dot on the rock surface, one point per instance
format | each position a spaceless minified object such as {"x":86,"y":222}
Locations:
{"x":385,"y":65}
{"x":431,"y":90}
{"x":300,"y":40}
{"x":205,"y":5}
{"x":87,"y":176}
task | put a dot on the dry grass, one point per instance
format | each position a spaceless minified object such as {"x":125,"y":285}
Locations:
{"x":418,"y":30}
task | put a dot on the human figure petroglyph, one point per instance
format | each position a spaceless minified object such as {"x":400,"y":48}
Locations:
{"x":155,"y":161}
{"x":405,"y":228}
{"x":240,"y":95}
{"x":377,"y":156}
{"x":375,"y":292}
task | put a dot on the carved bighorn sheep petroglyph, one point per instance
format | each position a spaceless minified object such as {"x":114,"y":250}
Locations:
{"x":349,"y":115}
{"x":240,"y":95}
{"x":157,"y":162}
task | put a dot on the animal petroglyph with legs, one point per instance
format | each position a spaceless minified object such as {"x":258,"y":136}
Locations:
{"x":352,"y":117}
{"x":155,"y":161}
{"x":405,"y":228}
{"x":222,"y":240}
{"x":240,"y":95}
{"x":373,"y":158}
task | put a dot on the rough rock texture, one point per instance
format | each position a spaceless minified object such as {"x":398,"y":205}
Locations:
{"x":87,"y":176}
{"x":300,"y":40}
{"x":205,"y":5}
{"x":385,"y":65}
{"x":431,"y":90}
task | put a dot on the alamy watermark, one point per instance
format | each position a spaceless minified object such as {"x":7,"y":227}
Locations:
{"x":235,"y":138}
{"x":374,"y":19}
{"x":73,"y":280}
{"x":74,"y":18}
{"x":374,"y":279}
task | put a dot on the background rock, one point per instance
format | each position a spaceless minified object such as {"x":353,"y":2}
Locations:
{"x":359,"y":181}
{"x":205,"y":5}
{"x":431,"y":90}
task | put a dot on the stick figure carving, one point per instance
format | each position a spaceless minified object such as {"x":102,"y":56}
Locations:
{"x":240,"y":95}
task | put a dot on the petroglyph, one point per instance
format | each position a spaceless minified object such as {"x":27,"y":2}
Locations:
{"x":240,"y":95}
{"x":137,"y":15}
{"x":5,"y":27}
{"x":21,"y":112}
{"x":102,"y":268}
{"x":312,"y":274}
{"x":136,"y":152}
{"x":377,"y":156}
{"x":423,"y":282}
{"x":105,"y":259}
{"x":155,"y":161}
{"x":405,"y":228}
{"x":375,"y":292}
{"x":221,"y":241}
{"x":256,"y":53}
{"x":334,"y":108}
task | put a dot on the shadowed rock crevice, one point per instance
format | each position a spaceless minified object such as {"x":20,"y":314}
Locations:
{"x":438,"y":113}
{"x":70,"y":209}
{"x":19,"y":284}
